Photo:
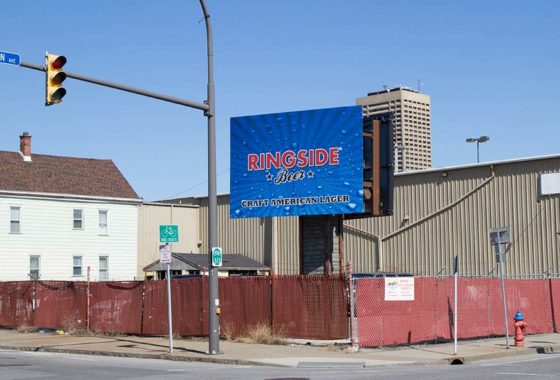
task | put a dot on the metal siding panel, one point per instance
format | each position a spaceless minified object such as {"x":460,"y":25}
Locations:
{"x":511,"y":198}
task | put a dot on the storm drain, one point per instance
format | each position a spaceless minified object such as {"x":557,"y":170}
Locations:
{"x":331,"y":364}
{"x":456,"y":360}
{"x":546,"y":350}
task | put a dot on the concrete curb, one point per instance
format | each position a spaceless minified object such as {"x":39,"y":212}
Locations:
{"x":513,"y":352}
{"x":216,"y":360}
{"x":166,"y":356}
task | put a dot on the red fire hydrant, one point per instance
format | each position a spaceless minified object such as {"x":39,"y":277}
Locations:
{"x":520,"y":326}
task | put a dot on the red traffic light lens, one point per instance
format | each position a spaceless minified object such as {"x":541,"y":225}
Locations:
{"x":59,"y":62}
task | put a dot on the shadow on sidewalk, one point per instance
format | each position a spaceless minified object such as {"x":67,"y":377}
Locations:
{"x":138,"y":344}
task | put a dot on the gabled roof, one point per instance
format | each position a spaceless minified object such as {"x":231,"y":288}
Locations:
{"x":64,"y":176}
{"x":199,"y":261}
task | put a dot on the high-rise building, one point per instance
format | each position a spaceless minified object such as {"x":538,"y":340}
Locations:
{"x":412,"y":127}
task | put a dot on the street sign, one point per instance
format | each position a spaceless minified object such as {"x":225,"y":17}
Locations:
{"x":165,"y":254}
{"x":216,"y":256}
{"x":9,"y":58}
{"x":499,"y":238}
{"x":169,"y":233}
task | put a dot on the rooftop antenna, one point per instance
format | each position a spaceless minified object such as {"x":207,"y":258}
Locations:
{"x":419,"y":84}
{"x":385,"y":87}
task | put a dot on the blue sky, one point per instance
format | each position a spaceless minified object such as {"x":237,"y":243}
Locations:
{"x":491,"y":68}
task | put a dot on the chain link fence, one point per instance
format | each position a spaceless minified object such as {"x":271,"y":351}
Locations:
{"x":379,"y":319}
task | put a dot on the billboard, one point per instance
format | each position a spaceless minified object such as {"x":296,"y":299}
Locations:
{"x":297,"y":163}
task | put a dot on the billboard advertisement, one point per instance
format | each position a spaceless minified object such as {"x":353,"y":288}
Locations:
{"x":297,"y":163}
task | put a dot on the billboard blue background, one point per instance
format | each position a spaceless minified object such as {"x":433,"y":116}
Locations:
{"x":304,"y":189}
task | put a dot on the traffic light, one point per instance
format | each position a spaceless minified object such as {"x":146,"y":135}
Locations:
{"x":54,"y":78}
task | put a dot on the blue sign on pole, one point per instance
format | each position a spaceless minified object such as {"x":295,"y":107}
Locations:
{"x":297,"y":163}
{"x":9,"y":58}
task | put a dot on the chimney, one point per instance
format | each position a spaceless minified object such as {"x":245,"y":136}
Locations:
{"x":25,"y":146}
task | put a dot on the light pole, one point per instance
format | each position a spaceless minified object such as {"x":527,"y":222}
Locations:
{"x":400,"y":148}
{"x":209,"y":111}
{"x":478,"y":140}
{"x":213,"y":299}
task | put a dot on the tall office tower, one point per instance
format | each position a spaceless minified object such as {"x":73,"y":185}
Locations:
{"x":412,"y":128}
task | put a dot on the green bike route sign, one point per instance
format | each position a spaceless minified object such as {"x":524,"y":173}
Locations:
{"x":169,"y":233}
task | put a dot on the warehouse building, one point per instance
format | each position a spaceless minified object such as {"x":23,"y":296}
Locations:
{"x":438,"y":213}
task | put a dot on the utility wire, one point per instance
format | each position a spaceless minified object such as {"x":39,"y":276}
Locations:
{"x":194,"y":186}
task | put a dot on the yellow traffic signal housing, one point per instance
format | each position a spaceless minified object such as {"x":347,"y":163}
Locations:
{"x":54,"y":78}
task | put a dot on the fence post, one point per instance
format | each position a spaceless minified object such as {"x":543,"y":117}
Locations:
{"x":34,"y":302}
{"x":142,"y":308}
{"x":87,"y":298}
{"x":271,"y":305}
{"x":352,"y":293}
{"x":553,"y":312}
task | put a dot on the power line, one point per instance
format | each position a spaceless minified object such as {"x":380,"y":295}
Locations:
{"x":194,"y":186}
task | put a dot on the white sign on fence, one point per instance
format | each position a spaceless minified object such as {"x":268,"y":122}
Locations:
{"x":399,"y":288}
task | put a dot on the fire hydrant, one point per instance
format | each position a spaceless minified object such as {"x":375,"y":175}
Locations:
{"x":520,"y":326}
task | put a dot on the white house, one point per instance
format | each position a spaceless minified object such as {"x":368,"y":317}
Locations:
{"x":63,"y":215}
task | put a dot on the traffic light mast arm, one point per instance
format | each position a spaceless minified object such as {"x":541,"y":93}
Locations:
{"x":134,"y":90}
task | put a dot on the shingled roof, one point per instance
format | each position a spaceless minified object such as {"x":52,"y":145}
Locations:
{"x":199,"y":261}
{"x":66,"y":176}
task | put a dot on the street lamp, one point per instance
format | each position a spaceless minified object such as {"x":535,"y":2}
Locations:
{"x":481,"y":139}
{"x":210,"y":113}
{"x":209,"y":109}
{"x":400,"y":148}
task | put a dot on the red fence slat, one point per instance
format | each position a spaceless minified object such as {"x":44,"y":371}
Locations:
{"x":314,"y":307}
{"x":245,"y":303}
{"x":116,"y":307}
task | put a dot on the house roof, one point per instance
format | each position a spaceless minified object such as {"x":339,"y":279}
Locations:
{"x":199,"y":261}
{"x":65,"y":176}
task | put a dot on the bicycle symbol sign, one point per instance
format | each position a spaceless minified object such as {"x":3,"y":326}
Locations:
{"x":169,"y":233}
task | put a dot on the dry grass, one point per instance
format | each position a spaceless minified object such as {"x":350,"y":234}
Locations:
{"x":71,"y":323}
{"x":331,"y":347}
{"x":261,"y":334}
{"x":227,"y":332}
{"x":27,"y":329}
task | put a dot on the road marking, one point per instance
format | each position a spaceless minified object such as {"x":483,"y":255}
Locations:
{"x":523,"y":374}
{"x":517,"y":361}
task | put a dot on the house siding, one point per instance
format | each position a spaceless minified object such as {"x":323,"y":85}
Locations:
{"x":46,"y":230}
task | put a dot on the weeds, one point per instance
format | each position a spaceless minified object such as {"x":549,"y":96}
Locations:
{"x":261,"y":334}
{"x":27,"y":329}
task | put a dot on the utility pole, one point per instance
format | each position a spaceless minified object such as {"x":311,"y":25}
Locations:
{"x":214,"y":302}
{"x":209,"y":111}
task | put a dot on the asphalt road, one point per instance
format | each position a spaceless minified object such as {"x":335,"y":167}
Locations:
{"x":37,"y":365}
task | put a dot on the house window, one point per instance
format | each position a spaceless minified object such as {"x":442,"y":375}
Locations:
{"x":103,"y":268}
{"x":15,"y":220}
{"x":77,"y":266}
{"x":34,"y":267}
{"x":103,"y":222}
{"x":78,"y":219}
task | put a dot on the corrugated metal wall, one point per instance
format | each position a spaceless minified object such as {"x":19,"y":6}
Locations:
{"x":151,"y":216}
{"x":244,"y":236}
{"x":437,"y":214}
{"x":254,"y":237}
{"x":440,"y":214}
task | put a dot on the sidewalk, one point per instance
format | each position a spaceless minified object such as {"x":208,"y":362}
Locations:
{"x":290,"y":355}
